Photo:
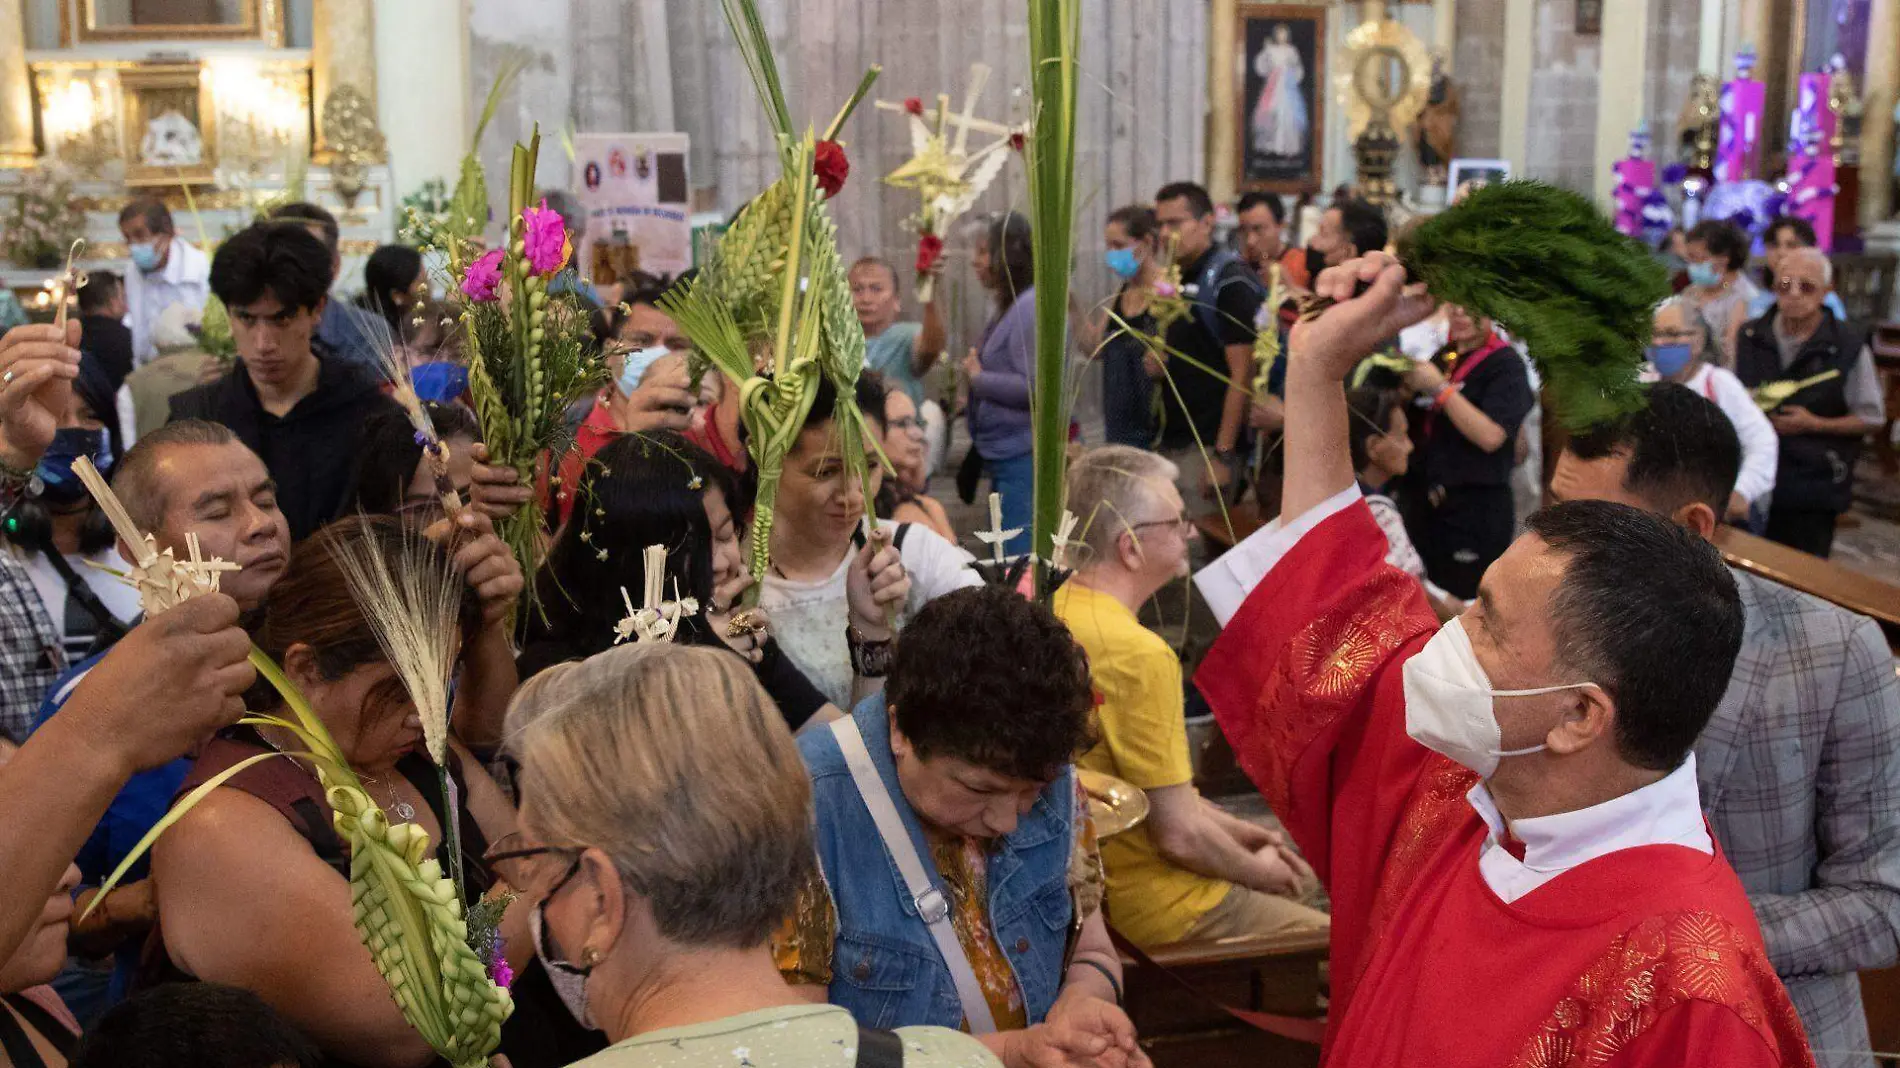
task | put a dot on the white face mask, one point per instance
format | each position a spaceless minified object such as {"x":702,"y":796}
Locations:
{"x":569,"y":982}
{"x":1448,"y":702}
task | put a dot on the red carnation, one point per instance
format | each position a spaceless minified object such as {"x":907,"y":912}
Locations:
{"x":831,"y":166}
{"x":914,"y":105}
{"x":1016,"y":140}
{"x":929,"y":251}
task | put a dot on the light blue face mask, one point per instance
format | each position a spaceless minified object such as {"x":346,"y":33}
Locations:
{"x":1123,"y":262}
{"x":145,"y":256}
{"x":1704,"y":274}
{"x":638,"y":363}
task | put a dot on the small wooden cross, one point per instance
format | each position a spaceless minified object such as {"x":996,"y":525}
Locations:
{"x":68,"y":283}
{"x":1062,"y":543}
{"x":656,"y":620}
{"x":996,"y":536}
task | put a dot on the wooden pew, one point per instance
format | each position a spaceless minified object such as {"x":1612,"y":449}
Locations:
{"x":1282,"y":974}
{"x":1811,"y":574}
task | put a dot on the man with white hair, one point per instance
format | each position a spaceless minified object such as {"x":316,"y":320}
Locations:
{"x":1834,"y":399}
{"x":1191,"y":871}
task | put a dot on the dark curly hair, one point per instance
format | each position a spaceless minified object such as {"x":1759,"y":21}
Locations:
{"x":987,"y":676}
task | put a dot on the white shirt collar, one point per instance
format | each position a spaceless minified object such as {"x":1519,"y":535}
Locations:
{"x":1666,"y":812}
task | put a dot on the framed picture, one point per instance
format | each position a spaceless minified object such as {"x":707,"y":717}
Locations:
{"x":1282,"y":96}
{"x":89,"y":21}
{"x":1589,"y":18}
{"x":170,"y":125}
{"x":1474,"y":173}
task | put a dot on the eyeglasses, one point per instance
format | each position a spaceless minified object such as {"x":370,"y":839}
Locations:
{"x":1803,"y":286}
{"x":1183,"y":523}
{"x":509,"y":858}
{"x":909,"y":422}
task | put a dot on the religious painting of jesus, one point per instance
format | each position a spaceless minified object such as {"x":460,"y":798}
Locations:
{"x":1282,"y":73}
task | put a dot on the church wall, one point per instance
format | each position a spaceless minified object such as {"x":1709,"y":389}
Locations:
{"x":1561,"y":142}
{"x":1675,"y":33}
{"x":1478,"y":68}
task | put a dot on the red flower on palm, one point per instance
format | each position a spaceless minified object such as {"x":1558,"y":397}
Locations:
{"x":914,"y":105}
{"x":831,"y":166}
{"x":929,"y":251}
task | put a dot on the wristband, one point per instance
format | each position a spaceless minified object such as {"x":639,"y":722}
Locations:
{"x":869,"y":659}
{"x":1113,"y":983}
{"x":1444,"y":393}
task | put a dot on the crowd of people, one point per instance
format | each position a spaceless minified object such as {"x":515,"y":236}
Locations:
{"x":838,"y":818}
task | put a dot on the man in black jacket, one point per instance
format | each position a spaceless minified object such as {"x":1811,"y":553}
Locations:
{"x":102,"y":331}
{"x":290,"y":398}
{"x":1822,"y":424}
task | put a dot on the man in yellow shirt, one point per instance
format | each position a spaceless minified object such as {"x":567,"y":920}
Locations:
{"x":1191,"y":871}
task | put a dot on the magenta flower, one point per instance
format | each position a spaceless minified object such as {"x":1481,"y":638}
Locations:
{"x":500,"y":973}
{"x":482,"y":282}
{"x":546,"y":240}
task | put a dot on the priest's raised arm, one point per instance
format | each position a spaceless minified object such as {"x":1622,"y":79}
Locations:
{"x":1504,"y":810}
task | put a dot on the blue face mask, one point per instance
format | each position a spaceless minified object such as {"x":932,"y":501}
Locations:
{"x":1669,"y":360}
{"x":1123,"y":262}
{"x":439,"y":380}
{"x":59,"y":485}
{"x":1704,"y":274}
{"x":636,"y":367}
{"x":145,"y":256}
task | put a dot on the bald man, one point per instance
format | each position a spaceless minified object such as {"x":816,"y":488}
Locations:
{"x":1823,"y":423}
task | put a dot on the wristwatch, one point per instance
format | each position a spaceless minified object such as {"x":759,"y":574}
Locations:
{"x":869,"y":659}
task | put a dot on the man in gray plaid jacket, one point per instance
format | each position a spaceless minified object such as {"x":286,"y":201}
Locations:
{"x":1800,"y":765}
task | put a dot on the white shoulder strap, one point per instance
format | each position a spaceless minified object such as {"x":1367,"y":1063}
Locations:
{"x":932,"y":905}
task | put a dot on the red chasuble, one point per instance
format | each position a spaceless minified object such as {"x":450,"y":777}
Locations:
{"x":1645,"y":956}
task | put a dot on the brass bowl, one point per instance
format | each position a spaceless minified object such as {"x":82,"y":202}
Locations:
{"x":1114,"y":805}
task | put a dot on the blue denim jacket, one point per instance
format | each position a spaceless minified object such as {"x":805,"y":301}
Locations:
{"x":884,"y":966}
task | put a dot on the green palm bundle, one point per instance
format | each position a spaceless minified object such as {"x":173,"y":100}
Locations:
{"x":410,"y":916}
{"x":531,"y":353}
{"x":772,"y":311}
{"x":1546,"y":265}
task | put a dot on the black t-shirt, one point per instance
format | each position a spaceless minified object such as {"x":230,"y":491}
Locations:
{"x":797,"y":699}
{"x":1235,"y":301}
{"x":1500,"y":386}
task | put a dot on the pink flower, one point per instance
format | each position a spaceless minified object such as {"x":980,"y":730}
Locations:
{"x":546,"y":237}
{"x":482,"y":282}
{"x":500,"y":973}
{"x":1164,"y":290}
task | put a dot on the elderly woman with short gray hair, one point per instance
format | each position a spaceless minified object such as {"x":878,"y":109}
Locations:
{"x":665,"y":827}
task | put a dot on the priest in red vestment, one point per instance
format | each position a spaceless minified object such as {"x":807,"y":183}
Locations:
{"x":1504,"y":809}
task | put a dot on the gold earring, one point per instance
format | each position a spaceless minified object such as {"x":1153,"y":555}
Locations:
{"x":590,"y":957}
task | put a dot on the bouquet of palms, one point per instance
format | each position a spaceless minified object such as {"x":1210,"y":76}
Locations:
{"x":410,"y":916}
{"x":947,"y":175}
{"x":530,"y":351}
{"x":772,"y":311}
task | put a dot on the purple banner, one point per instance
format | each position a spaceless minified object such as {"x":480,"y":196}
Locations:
{"x":1810,"y":181}
{"x":1738,"y":144}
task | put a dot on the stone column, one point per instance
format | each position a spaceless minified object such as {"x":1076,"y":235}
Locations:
{"x":623,"y":70}
{"x":1520,"y":58}
{"x":343,"y":52}
{"x":1445,"y":32}
{"x":1708,"y":54}
{"x":1223,"y":102}
{"x":1876,"y":130}
{"x":16,"y":96}
{"x":424,"y":108}
{"x":1622,"y":74}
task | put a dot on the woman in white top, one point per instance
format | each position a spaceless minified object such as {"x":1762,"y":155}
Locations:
{"x":1716,"y":253}
{"x":1680,"y":352}
{"x":836,"y":587}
